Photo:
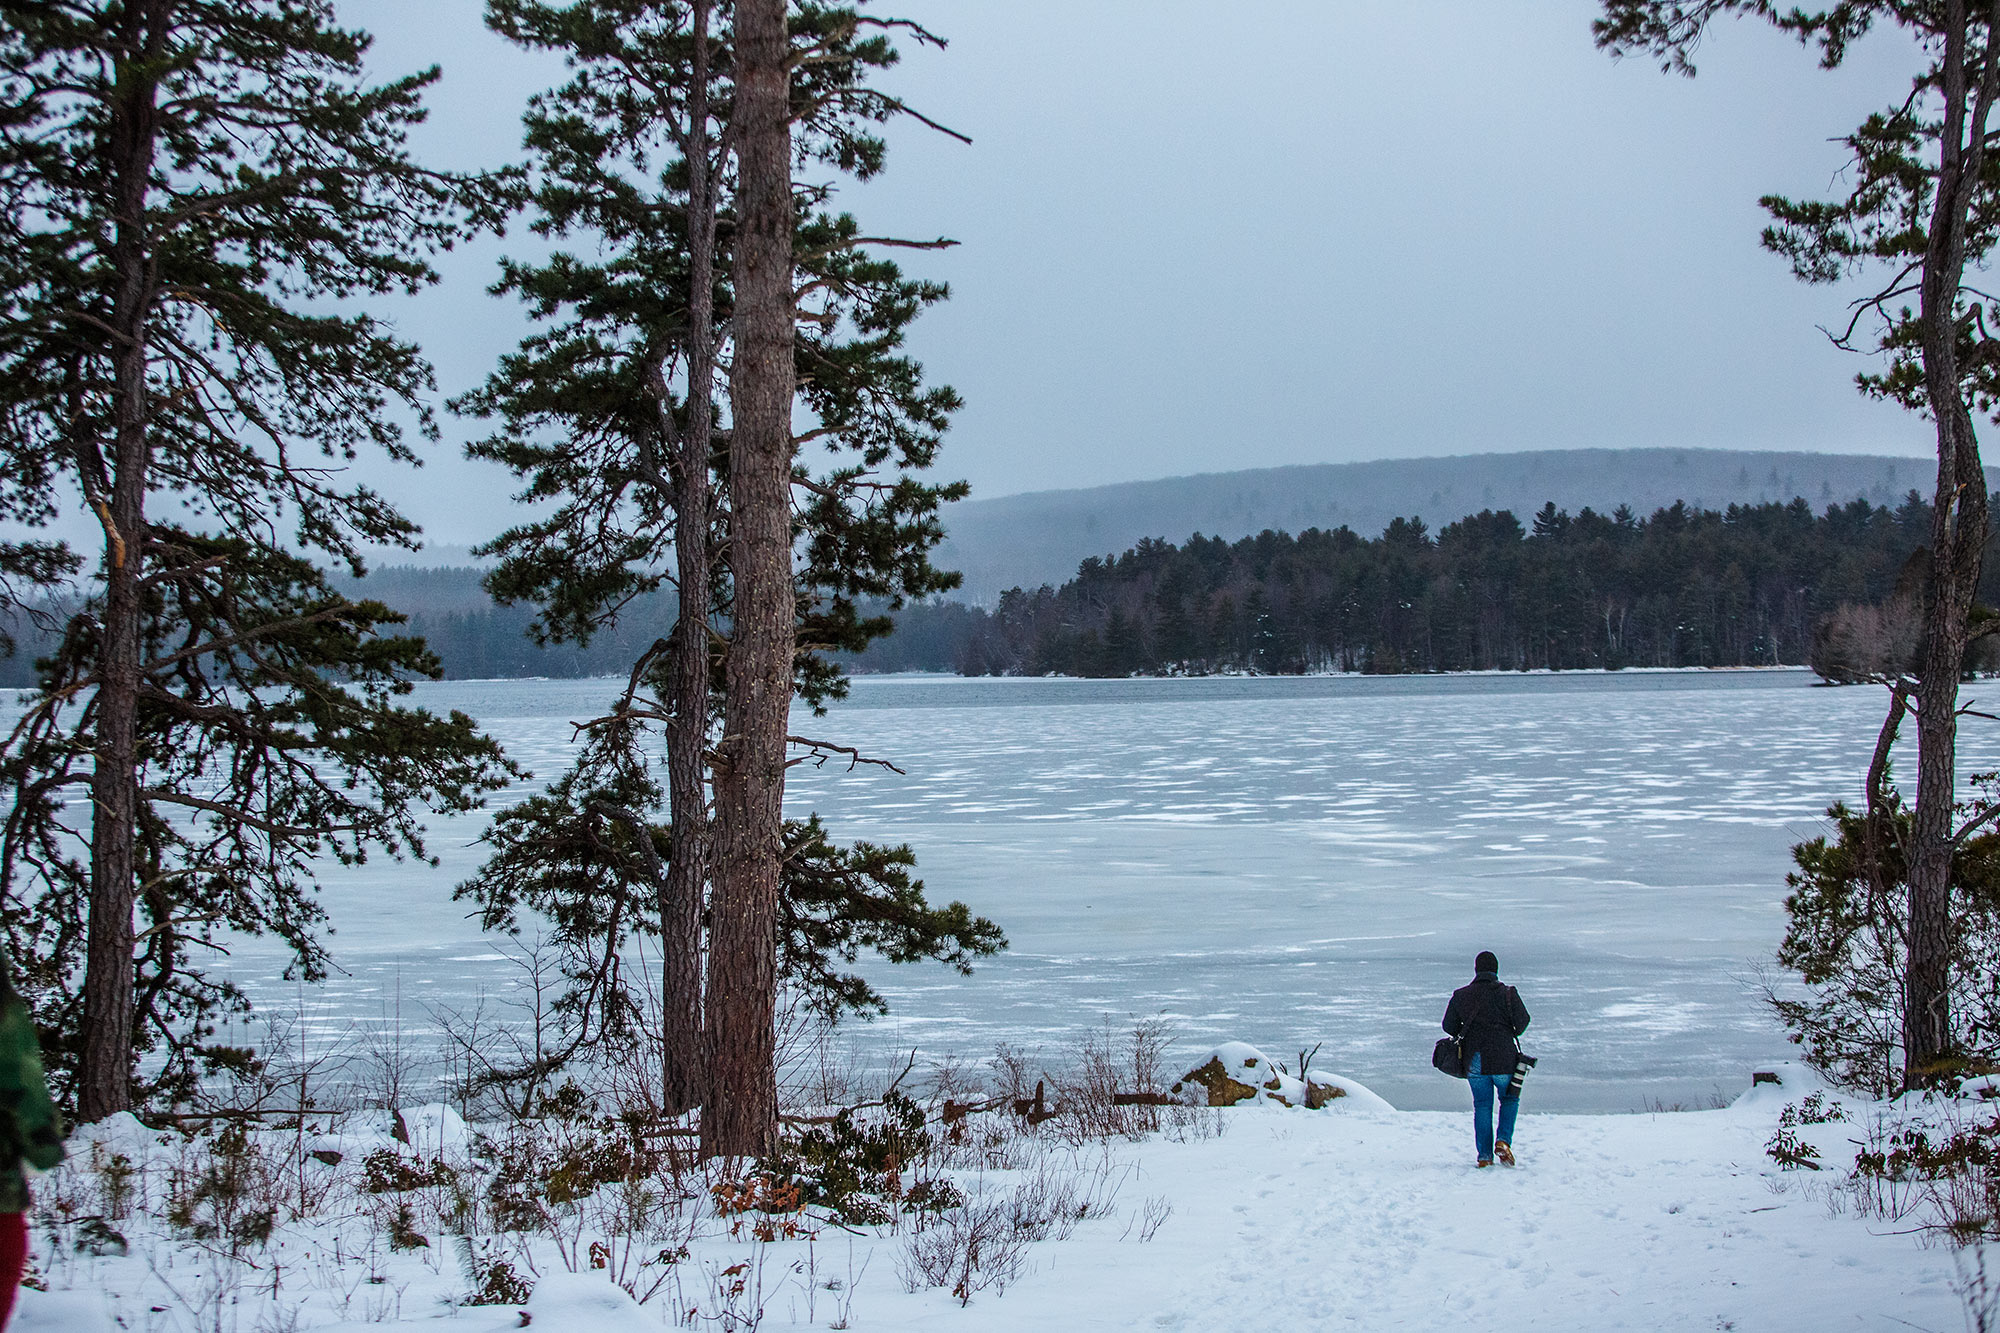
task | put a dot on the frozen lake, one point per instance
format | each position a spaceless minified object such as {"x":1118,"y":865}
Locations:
{"x":1284,"y":861}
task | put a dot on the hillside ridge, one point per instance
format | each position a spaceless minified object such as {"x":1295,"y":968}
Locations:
{"x":1036,"y":537}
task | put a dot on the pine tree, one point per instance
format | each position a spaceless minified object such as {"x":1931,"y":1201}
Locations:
{"x":194,"y":188}
{"x":608,"y":412}
{"x":611,"y":408}
{"x":1922,"y":206}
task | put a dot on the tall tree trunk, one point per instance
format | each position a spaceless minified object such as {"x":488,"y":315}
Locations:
{"x":1958,"y":540}
{"x":1955,"y":559}
{"x":740,"y":1115}
{"x":104,"y":1084}
{"x":684,"y":1052}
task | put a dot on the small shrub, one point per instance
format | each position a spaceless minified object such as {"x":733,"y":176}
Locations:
{"x":1846,"y":942}
{"x":1947,"y":1172}
{"x":1150,"y":1218}
{"x":776,"y":1202}
{"x":736,"y":1298}
{"x":541,"y":1167}
{"x":116,"y":1181}
{"x":1978,"y":1292}
{"x":64,"y":1195}
{"x":1791,"y":1152}
{"x":386,"y":1171}
{"x":1786,"y":1148}
{"x":965,"y":1250}
{"x":489,"y":1278}
{"x":403,"y":1233}
{"x":219,"y":1193}
{"x":1058,"y":1193}
{"x":1194,"y":1124}
{"x":1109,"y":1062}
{"x":1014,"y":1070}
{"x":645,"y":1235}
{"x":99,"y":1239}
{"x":254,"y":1226}
{"x":933,"y":1196}
{"x":856,"y":1170}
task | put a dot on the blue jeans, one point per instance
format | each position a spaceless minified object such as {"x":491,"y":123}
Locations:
{"x":1485,"y":1087}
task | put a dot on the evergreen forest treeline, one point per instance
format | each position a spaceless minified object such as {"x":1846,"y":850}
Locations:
{"x":474,"y":637}
{"x":1743,"y":586}
{"x":1685,"y":587}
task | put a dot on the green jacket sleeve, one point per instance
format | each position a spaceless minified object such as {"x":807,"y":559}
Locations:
{"x":35,"y":1131}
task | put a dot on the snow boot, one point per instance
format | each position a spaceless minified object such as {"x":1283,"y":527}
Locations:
{"x":1482,"y":1163}
{"x":1505,"y":1152}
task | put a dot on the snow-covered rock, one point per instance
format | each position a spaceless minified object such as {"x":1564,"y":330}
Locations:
{"x":431,"y":1130}
{"x":362,"y":1131}
{"x":1794,"y":1081}
{"x":1353,"y":1096}
{"x":587,"y":1300}
{"x":116,"y":1134}
{"x":1236,"y":1073}
{"x":436,"y":1130}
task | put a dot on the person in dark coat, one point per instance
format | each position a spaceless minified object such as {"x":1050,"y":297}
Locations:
{"x":1488,"y":1018}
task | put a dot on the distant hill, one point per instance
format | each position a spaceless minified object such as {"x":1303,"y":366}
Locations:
{"x":1038,"y":538}
{"x":430,"y":555}
{"x":477,"y":639}
{"x":1028,"y":540}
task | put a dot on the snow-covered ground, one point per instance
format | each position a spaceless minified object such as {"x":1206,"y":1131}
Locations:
{"x":1356,"y":1216}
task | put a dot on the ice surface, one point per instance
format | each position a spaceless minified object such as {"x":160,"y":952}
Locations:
{"x":1280,"y":861}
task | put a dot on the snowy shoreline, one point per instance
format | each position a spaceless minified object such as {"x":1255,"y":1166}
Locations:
{"x":930,"y":676}
{"x":1355,"y":1216}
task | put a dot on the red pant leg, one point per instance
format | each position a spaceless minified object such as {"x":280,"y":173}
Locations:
{"x":13,"y":1260}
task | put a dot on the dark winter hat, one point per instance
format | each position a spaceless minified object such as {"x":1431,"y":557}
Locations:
{"x":1486,"y":962}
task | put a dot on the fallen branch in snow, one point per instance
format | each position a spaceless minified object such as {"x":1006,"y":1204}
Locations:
{"x":818,"y":751}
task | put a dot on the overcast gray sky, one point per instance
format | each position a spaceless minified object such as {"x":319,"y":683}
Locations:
{"x":1200,"y":237}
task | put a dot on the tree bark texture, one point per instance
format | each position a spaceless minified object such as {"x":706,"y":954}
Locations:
{"x":739,"y":1117}
{"x":684,"y":1053}
{"x":1958,"y":539}
{"x":105,"y":1076}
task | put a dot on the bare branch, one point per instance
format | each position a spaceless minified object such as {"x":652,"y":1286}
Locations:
{"x":238,"y":815}
{"x":818,"y":752}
